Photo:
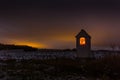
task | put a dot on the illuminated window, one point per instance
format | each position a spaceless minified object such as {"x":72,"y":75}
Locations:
{"x":82,"y":41}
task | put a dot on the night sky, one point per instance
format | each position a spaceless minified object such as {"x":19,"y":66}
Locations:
{"x":55,"y":23}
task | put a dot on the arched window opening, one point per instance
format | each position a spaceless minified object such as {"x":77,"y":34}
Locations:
{"x":82,"y":41}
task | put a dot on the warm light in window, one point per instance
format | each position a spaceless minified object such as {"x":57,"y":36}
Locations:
{"x":82,"y":41}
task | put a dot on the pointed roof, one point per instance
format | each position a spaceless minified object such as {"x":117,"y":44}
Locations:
{"x":83,"y":33}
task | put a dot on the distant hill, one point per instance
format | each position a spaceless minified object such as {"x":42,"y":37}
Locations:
{"x":12,"y":46}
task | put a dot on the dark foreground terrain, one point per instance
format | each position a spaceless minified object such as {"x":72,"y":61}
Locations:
{"x":61,"y":69}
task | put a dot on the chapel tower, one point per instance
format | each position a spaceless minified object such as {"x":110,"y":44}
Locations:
{"x":83,"y":44}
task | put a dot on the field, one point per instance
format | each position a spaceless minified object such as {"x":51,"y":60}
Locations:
{"x":107,"y":68}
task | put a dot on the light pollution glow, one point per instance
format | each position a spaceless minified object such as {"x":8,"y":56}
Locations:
{"x":28,"y":43}
{"x":103,"y":34}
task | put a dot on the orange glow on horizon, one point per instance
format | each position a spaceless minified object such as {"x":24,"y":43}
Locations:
{"x":82,"y":41}
{"x":32,"y":44}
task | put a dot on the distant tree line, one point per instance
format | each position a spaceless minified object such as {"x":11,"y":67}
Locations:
{"x":12,"y":46}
